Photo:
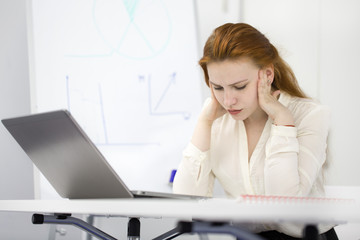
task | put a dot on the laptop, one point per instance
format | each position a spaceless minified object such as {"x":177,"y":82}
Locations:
{"x":69,"y":160}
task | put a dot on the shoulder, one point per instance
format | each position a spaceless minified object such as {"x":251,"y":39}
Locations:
{"x":302,"y":107}
{"x":307,"y":111}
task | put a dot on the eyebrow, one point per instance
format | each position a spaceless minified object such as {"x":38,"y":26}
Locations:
{"x":230,"y":84}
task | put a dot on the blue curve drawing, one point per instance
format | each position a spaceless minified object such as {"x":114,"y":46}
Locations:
{"x":131,"y":7}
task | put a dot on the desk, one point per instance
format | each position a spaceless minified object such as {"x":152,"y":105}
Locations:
{"x":215,"y":210}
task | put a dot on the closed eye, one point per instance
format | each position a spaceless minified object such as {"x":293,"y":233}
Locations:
{"x":218,"y":88}
{"x":240,"y":88}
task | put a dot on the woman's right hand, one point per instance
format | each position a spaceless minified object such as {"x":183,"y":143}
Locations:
{"x":202,"y":133}
{"x":212,"y":110}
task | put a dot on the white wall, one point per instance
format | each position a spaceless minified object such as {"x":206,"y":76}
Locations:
{"x":14,"y":94}
{"x":16,"y":171}
{"x":340,"y":81}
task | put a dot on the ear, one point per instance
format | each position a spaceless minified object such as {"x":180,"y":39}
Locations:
{"x":269,"y":70}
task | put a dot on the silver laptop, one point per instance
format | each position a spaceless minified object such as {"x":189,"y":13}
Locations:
{"x":68,"y":159}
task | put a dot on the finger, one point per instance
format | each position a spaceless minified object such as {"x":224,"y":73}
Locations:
{"x":264,"y":83}
{"x":276,"y":93}
{"x":212,"y":91}
{"x":213,"y":95}
{"x":261,"y":80}
{"x":263,"y":76}
{"x":267,"y":78}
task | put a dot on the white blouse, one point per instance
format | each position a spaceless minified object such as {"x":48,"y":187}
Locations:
{"x":287,"y":161}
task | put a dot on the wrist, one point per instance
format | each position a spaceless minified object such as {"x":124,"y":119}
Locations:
{"x":284,"y":118}
{"x":205,"y":121}
{"x":287,"y":125}
{"x":202,"y":134}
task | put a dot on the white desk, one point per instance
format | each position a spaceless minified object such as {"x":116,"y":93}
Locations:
{"x":211,"y":209}
{"x":295,"y":211}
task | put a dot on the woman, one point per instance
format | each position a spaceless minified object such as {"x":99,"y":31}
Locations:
{"x":258,"y":134}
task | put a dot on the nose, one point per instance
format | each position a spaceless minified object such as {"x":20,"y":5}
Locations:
{"x":229,"y":99}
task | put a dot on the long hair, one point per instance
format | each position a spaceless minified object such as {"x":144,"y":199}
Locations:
{"x":234,"y":41}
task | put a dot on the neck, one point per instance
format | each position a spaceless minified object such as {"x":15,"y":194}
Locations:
{"x":258,"y":117}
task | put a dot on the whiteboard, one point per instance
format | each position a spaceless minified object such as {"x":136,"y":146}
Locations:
{"x":127,"y":71}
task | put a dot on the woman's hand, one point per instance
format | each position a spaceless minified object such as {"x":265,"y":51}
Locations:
{"x":213,"y":110}
{"x":268,"y":101}
{"x":202,"y":134}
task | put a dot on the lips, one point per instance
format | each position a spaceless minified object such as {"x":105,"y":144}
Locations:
{"x":234,"y":112}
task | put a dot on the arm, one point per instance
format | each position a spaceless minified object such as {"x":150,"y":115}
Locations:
{"x":212,"y":110}
{"x":194,"y":174}
{"x":295,"y":156}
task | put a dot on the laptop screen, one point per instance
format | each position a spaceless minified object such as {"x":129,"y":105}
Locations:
{"x":66,"y":157}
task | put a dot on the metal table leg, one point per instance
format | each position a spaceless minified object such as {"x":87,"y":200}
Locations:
{"x":208,"y":227}
{"x":67,"y":219}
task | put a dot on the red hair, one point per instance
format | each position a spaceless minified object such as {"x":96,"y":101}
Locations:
{"x":233,"y":41}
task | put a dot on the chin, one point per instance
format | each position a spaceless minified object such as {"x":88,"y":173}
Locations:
{"x":237,"y":117}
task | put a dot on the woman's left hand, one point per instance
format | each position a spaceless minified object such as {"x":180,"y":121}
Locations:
{"x":268,"y":101}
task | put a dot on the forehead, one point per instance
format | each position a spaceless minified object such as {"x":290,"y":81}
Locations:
{"x":230,"y":71}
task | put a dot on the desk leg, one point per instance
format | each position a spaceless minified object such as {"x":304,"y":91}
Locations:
{"x":173,"y":233}
{"x":208,"y":227}
{"x":311,"y":232}
{"x":219,"y":228}
{"x":133,"y":229}
{"x":68,"y":220}
{"x":90,"y":220}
